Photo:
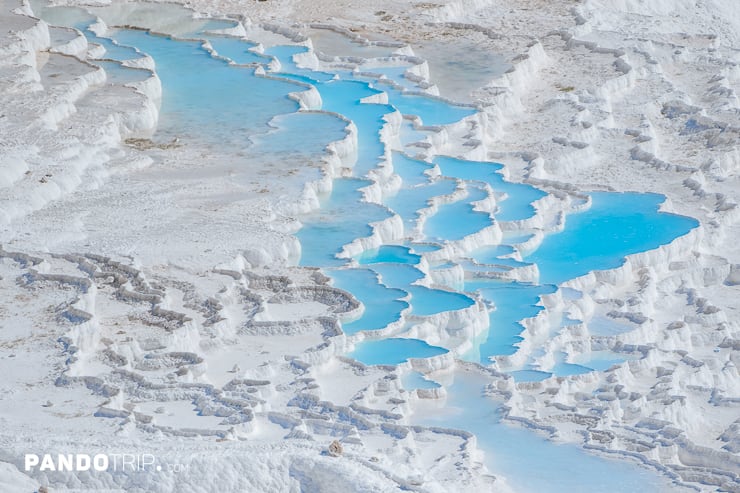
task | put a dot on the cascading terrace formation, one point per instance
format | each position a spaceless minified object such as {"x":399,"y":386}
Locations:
{"x":400,"y":291}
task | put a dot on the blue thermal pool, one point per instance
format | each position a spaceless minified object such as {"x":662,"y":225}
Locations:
{"x":393,"y":74}
{"x":408,"y":202}
{"x":457,"y":220}
{"x":424,"y":301}
{"x":342,"y":218}
{"x":616,"y":225}
{"x":427,"y":301}
{"x":529,"y":375}
{"x":256,"y":117}
{"x":282,"y":143}
{"x":604,"y":326}
{"x":519,"y":197}
{"x":603,"y":360}
{"x":285,"y":54}
{"x":528,"y":461}
{"x":383,"y":305}
{"x":412,"y":171}
{"x":414,"y":380}
{"x":187,"y":69}
{"x":393,"y":351}
{"x":514,"y":302}
{"x":343,"y":97}
{"x":396,"y":275}
{"x":424,"y":247}
{"x":237,"y":50}
{"x":118,"y":74}
{"x":389,"y":253}
{"x":432,"y":111}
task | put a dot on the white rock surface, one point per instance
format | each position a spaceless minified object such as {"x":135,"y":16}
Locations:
{"x":150,"y":336}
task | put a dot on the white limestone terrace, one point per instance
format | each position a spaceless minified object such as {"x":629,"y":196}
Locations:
{"x":600,"y":95}
{"x":170,"y":345}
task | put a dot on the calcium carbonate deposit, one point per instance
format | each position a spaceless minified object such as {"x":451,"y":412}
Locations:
{"x":468,"y":245}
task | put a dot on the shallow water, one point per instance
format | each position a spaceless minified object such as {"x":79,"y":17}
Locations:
{"x":343,"y":97}
{"x":161,"y":17}
{"x":427,"y":301}
{"x":490,"y":253}
{"x":616,"y":225}
{"x":519,"y":196}
{"x":603,"y":360}
{"x":383,"y":305}
{"x":285,"y":53}
{"x":409,"y":135}
{"x":413,"y":380}
{"x":410,"y":201}
{"x":461,"y":66}
{"x":75,"y":17}
{"x":59,"y":35}
{"x":118,"y":74}
{"x":528,"y":462}
{"x":400,"y":276}
{"x":529,"y":375}
{"x":332,"y":43}
{"x":394,"y":74}
{"x":293,"y":138}
{"x":605,"y":326}
{"x":457,"y":220}
{"x":389,"y":253}
{"x":237,"y":50}
{"x":241,"y":102}
{"x":424,"y":247}
{"x":499,"y":255}
{"x":431,"y":111}
{"x":412,"y":171}
{"x":514,"y":301}
{"x":424,"y":301}
{"x":113,"y":50}
{"x":256,"y":117}
{"x":342,"y":218}
{"x":393,"y":351}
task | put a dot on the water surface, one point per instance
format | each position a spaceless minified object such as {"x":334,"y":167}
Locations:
{"x":616,"y":225}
